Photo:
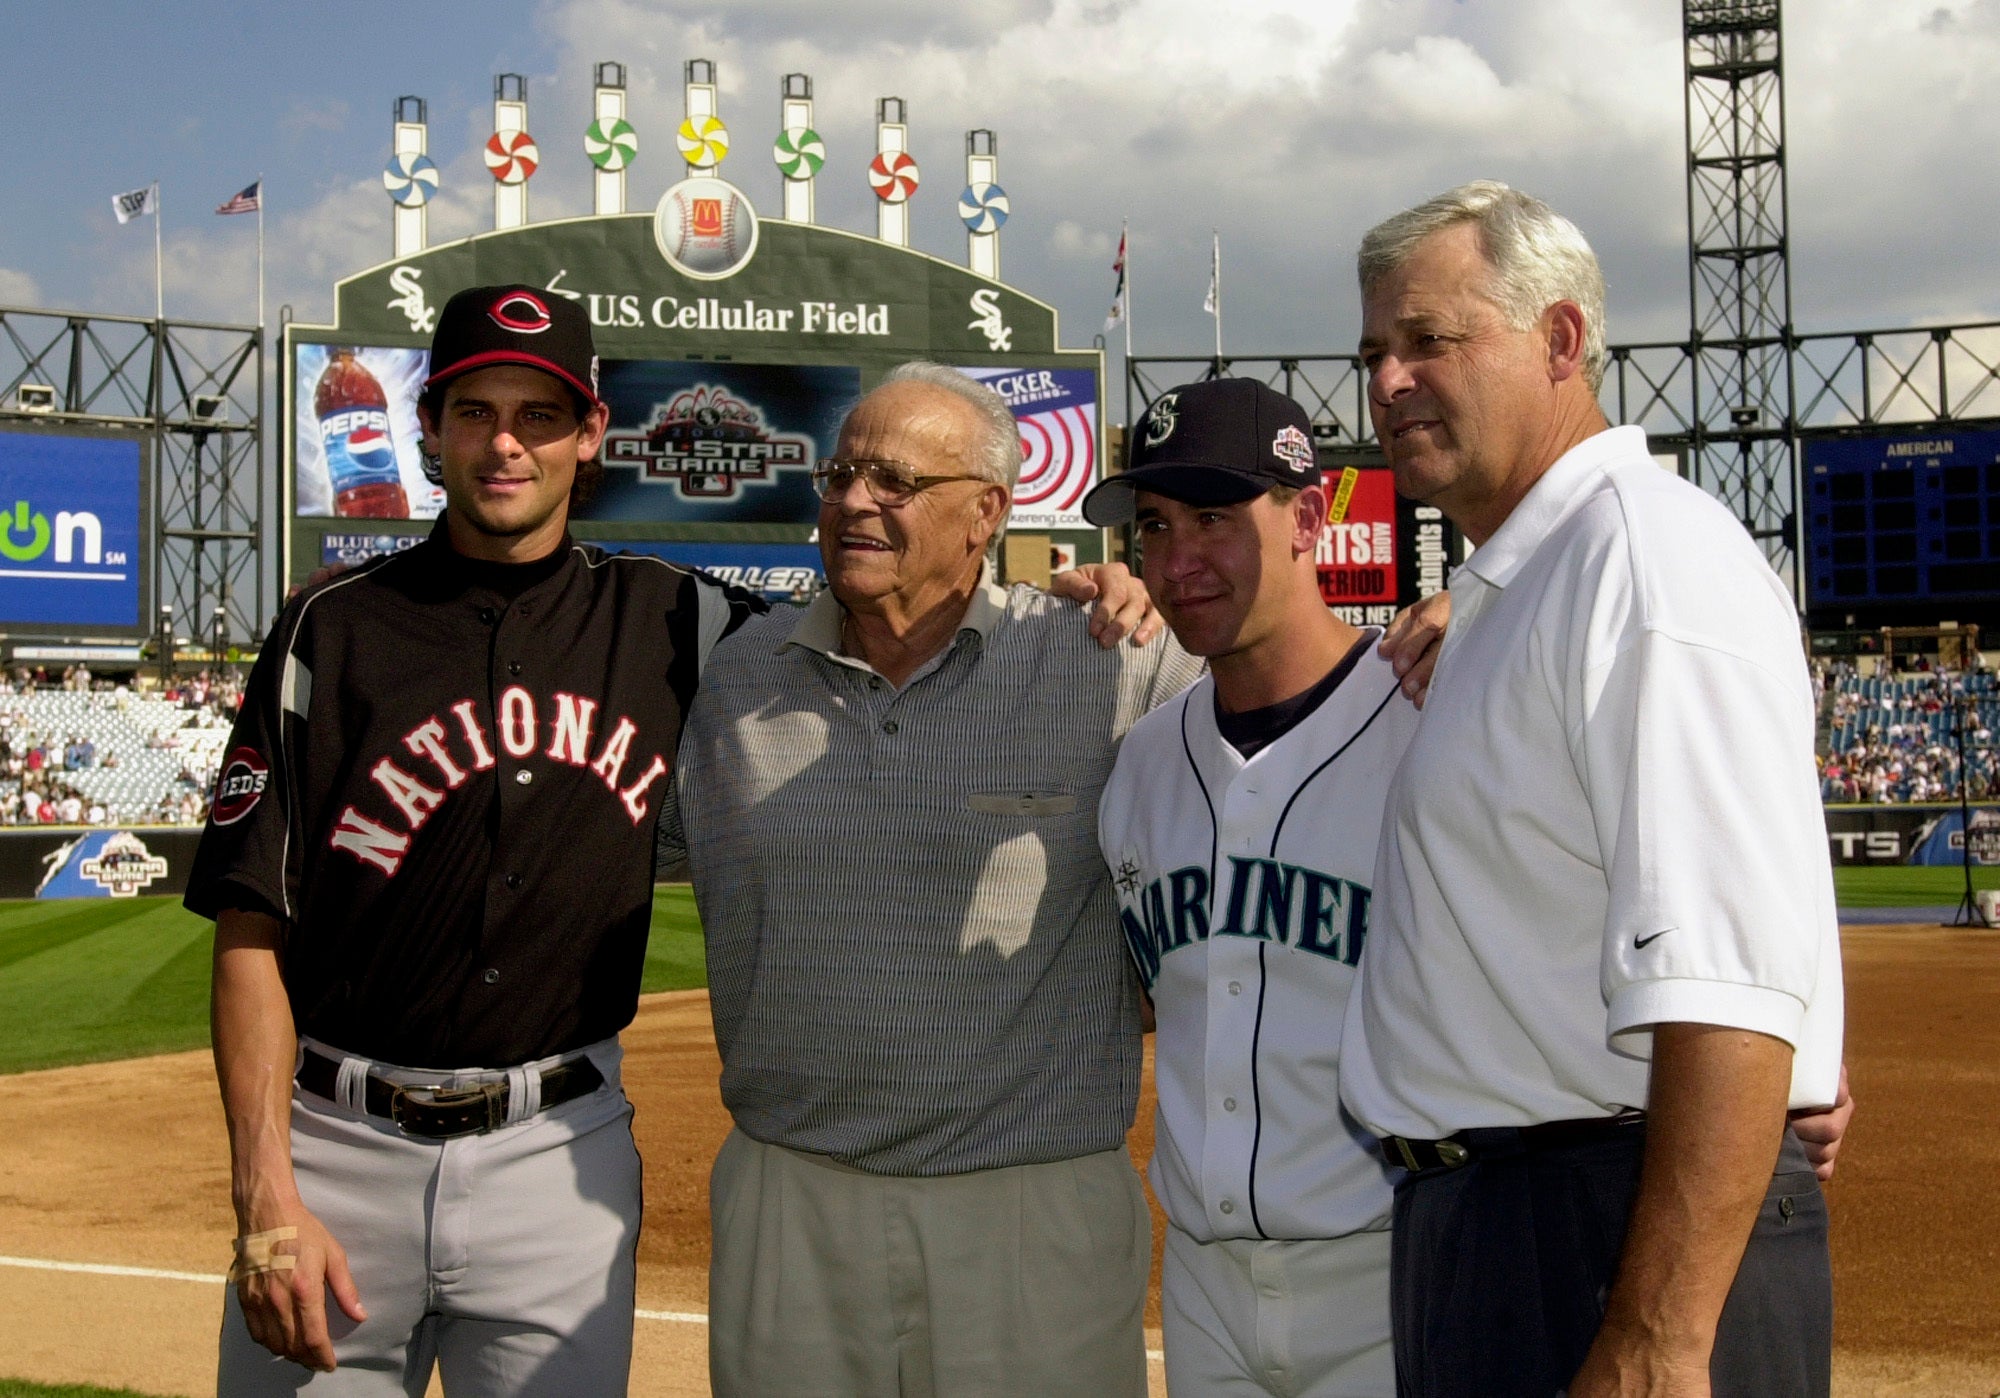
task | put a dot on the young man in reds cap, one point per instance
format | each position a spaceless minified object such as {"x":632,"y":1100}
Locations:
{"x":1240,"y":826}
{"x":430,"y":862}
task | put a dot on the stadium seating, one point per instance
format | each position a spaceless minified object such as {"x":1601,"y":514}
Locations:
{"x":163,"y":751}
{"x":1892,"y":738}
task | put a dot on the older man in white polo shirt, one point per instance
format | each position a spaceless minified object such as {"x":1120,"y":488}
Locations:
{"x":1605,"y":959}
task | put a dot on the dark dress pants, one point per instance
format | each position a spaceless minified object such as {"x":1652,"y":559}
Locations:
{"x":1501,"y":1269}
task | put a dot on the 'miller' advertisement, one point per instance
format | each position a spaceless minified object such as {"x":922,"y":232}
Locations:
{"x":688,"y":441}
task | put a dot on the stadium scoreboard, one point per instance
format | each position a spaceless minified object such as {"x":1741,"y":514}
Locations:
{"x":1904,"y":525}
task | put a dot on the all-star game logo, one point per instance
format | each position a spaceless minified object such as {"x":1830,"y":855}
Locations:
{"x":124,"y":866}
{"x":710,"y":442}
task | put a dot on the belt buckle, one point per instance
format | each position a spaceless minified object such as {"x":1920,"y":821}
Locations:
{"x":446,"y":1113}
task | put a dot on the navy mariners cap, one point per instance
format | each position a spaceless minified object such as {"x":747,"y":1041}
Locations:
{"x":487,"y":325}
{"x":1217,"y":442}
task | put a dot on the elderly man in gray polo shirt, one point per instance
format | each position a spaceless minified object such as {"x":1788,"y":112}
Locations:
{"x":929,"y":1032}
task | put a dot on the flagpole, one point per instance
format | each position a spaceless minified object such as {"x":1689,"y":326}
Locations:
{"x":1215,"y":278}
{"x":1125,"y":242}
{"x":159,"y":278}
{"x":260,"y":256}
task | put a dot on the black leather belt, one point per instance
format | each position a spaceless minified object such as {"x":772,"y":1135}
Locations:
{"x":1464,"y":1147}
{"x":438,"y":1112}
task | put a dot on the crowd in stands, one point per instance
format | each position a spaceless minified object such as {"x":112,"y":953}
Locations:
{"x":1891,"y":738}
{"x":76,"y":749}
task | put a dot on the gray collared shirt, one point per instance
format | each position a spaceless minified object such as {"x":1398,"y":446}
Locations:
{"x":914,"y":956}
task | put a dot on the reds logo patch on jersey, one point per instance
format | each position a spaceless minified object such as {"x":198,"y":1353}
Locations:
{"x":239,"y":786}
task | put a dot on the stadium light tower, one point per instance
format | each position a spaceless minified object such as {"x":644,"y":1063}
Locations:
{"x":1739,"y":275}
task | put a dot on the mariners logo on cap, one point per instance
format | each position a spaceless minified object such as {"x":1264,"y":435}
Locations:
{"x":1160,"y":421}
{"x":520,"y":312}
{"x":1292,"y":447}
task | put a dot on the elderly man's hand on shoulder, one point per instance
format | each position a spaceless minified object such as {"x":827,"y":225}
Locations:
{"x":1119,"y":603}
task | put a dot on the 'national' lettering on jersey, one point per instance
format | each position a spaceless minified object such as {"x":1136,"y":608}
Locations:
{"x":446,"y":780}
{"x":445,"y":753}
{"x":1266,"y":899}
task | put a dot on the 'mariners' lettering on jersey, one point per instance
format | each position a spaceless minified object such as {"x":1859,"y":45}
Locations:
{"x":1263,"y":898}
{"x":448,"y":747}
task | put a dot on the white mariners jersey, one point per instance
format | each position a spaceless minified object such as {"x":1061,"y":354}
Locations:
{"x":1243,"y":888}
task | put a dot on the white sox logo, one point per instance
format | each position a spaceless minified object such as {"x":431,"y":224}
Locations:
{"x":239,"y":786}
{"x":452,"y":748}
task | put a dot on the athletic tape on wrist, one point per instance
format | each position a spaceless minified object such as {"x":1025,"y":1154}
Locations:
{"x":254,"y":1255}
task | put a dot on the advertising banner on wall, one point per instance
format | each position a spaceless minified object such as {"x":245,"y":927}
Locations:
{"x":355,"y":443}
{"x":1378,"y":552}
{"x":1057,"y":413}
{"x":782,"y":572}
{"x":1911,"y":835}
{"x":72,"y":528}
{"x":108,"y":863}
{"x":688,"y":441}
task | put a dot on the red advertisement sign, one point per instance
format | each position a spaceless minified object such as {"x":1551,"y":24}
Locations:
{"x":1357,"y":547}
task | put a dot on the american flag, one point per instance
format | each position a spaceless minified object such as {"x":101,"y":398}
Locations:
{"x":247,"y":202}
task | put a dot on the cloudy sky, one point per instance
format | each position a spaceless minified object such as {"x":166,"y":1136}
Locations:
{"x":1289,"y":128}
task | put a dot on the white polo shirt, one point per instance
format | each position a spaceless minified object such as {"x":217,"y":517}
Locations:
{"x":1609,"y":818}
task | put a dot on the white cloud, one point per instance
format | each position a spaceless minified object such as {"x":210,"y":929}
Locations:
{"x":1288,"y":126}
{"x":18,"y":289}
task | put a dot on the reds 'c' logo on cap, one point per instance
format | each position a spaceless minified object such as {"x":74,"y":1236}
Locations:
{"x":520,"y":312}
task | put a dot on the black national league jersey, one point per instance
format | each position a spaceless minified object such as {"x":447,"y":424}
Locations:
{"x":445,"y":780}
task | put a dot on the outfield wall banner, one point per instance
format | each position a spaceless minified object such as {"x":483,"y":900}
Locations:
{"x":114,"y":862}
{"x":1056,"y":410}
{"x":1922,"y":835}
{"x":73,"y":526}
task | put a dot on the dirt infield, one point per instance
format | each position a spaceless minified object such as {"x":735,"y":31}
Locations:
{"x":123,"y":1166}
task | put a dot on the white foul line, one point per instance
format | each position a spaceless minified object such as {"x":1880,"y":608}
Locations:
{"x":103,"y":1269}
{"x":100,"y":1269}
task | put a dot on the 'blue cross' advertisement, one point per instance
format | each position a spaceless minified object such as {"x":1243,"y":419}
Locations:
{"x":70,"y":530}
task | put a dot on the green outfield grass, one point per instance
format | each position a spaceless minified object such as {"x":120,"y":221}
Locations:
{"x":85,"y":980}
{"x":1900,"y":886}
{"x":21,"y":1388}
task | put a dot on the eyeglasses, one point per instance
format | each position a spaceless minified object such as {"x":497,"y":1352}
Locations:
{"x":890,"y":483}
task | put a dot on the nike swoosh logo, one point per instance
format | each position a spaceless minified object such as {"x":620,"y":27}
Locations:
{"x":1641,"y":943}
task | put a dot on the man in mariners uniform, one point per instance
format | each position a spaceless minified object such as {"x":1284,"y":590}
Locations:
{"x":1240,"y":827}
{"x":430,"y":860}
{"x":1605,"y":957}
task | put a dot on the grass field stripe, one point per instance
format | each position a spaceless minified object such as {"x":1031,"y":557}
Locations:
{"x":101,"y":1269}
